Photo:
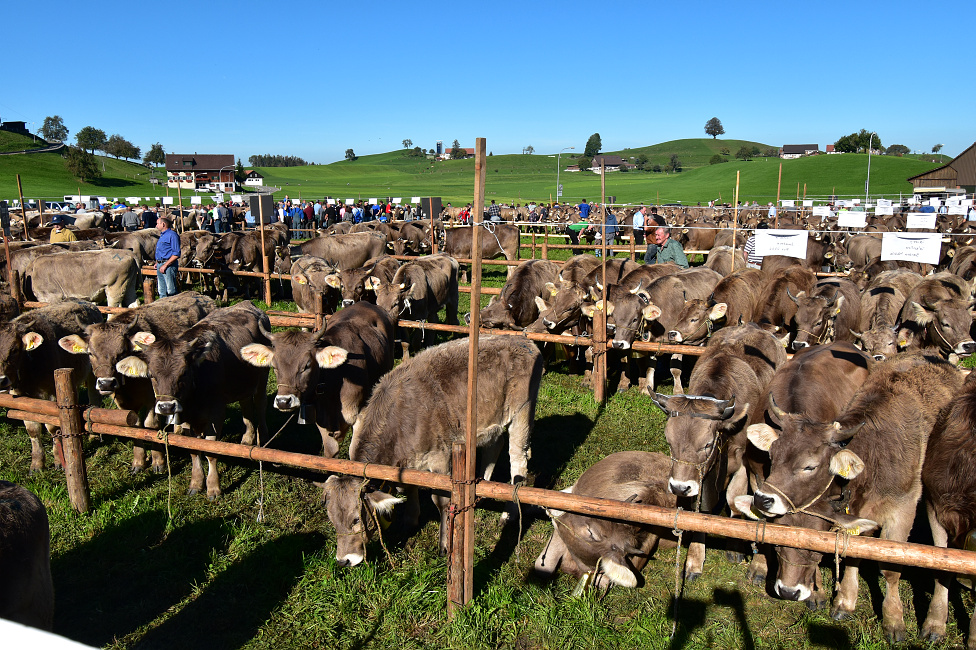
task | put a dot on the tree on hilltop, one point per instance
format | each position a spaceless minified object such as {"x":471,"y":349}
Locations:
{"x":350,"y":154}
{"x":82,"y":164}
{"x":119,"y":147}
{"x":529,"y":150}
{"x":714,"y":128}
{"x":897,"y":150}
{"x":156,"y":155}
{"x":937,"y":148}
{"x":54,"y":129}
{"x":407,"y":143}
{"x":593,"y":146}
{"x":90,"y":138}
{"x":857,"y":142}
{"x":744,"y":153}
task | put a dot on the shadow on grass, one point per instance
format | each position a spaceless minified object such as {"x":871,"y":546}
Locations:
{"x":129,"y":575}
{"x":238,"y":601}
{"x":111,"y":182}
{"x":559,"y":436}
{"x":693,"y":614}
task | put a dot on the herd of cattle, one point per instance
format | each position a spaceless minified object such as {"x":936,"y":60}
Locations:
{"x":868,"y":417}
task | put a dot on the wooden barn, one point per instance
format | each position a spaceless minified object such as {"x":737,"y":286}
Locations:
{"x":960,"y":172}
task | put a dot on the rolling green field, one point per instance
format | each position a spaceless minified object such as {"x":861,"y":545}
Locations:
{"x":513,"y":178}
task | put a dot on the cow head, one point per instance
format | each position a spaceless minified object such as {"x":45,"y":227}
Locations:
{"x":563,"y":308}
{"x":815,"y":316}
{"x":297,"y":359}
{"x":398,"y":299}
{"x":354,"y":285}
{"x":351,"y":507}
{"x":18,"y":342}
{"x":629,"y":311}
{"x":694,"y":432}
{"x":805,"y":456}
{"x":879,"y":342}
{"x":282,"y":260}
{"x":105,"y":344}
{"x":170,"y":364}
{"x":697,"y":321}
{"x":498,"y":314}
{"x":947,"y":323}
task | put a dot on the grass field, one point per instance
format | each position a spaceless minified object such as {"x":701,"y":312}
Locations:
{"x":512,"y":178}
{"x":128,"y":576}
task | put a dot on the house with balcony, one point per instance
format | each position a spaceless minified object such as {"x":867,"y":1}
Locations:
{"x":201,"y":172}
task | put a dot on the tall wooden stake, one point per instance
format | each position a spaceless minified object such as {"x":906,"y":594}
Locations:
{"x":599,"y":321}
{"x":72,"y":429}
{"x":735,"y":219}
{"x":23,"y":207}
{"x":779,"y":184}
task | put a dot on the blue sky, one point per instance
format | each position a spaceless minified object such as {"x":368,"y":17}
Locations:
{"x":312,"y":79}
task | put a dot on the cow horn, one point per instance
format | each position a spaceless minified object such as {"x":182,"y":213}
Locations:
{"x":264,"y":331}
{"x":776,"y":410}
{"x":637,"y":288}
{"x":792,"y":297}
{"x":82,"y":326}
{"x":830,"y":303}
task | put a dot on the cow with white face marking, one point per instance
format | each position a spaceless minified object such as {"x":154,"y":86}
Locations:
{"x":29,"y":355}
{"x":197,"y":374}
{"x":108,"y":343}
{"x":416,"y":413}
{"x":612,"y":552}
{"x":333,"y":369}
{"x":857,"y":473}
{"x":706,"y":426}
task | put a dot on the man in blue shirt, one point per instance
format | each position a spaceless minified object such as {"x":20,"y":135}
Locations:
{"x":584,"y":209}
{"x":167,"y":258}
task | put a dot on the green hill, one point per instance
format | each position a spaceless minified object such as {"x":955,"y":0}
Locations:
{"x":513,"y":177}
{"x":17,"y":142}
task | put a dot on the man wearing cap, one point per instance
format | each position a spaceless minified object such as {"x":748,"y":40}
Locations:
{"x":167,"y":258}
{"x":60,"y":233}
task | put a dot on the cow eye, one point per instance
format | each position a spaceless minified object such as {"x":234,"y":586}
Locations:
{"x":355,"y":521}
{"x":707,"y":447}
{"x":809,"y":468}
{"x":694,"y":320}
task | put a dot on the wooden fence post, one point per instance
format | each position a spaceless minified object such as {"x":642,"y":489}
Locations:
{"x":599,"y":352}
{"x":15,"y":291}
{"x":455,"y":563}
{"x":147,"y":291}
{"x":545,"y":242}
{"x":317,"y":305}
{"x":72,"y":429}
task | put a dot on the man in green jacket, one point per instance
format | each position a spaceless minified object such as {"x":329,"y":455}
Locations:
{"x":668,"y":250}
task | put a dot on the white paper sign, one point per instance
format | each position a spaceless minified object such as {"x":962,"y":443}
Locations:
{"x":786,"y":203}
{"x":167,"y":200}
{"x":218,"y":197}
{"x":884,"y":211}
{"x":102,"y":200}
{"x":237,"y":198}
{"x":373,"y":201}
{"x":791,"y":243}
{"x":132,"y":199}
{"x":855,"y":201}
{"x":808,"y":203}
{"x":967,"y":202}
{"x":397,"y":200}
{"x":935,"y":203}
{"x":953,"y":200}
{"x":821,"y":211}
{"x":196,"y":200}
{"x":884,"y":203}
{"x":921,"y":247}
{"x":957,"y":209}
{"x":921,"y":220}
{"x":848,"y":219}
{"x":972,"y":216}
{"x":415,"y":199}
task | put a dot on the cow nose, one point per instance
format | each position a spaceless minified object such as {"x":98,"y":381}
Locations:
{"x":788,"y":593}
{"x":879,"y":357}
{"x":347,"y":303}
{"x":4,"y":382}
{"x":286,"y":402}
{"x":762,"y":502}
{"x":169,"y":407}
{"x":674,"y":335}
{"x":799,"y":345}
{"x":679,"y":489}
{"x":106,"y":384}
{"x":549,"y":324}
{"x":968,"y":347}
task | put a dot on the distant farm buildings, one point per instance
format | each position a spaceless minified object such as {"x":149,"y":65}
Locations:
{"x":214,"y":172}
{"x":791,"y":151}
{"x":253,"y":178}
{"x":958,"y":173}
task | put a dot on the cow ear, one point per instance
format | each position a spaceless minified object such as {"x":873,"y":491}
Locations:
{"x":587,"y":309}
{"x":331,"y":357}
{"x":541,"y":304}
{"x":258,"y":354}
{"x":383,"y":503}
{"x":132,"y":367}
{"x":32,"y":341}
{"x":661,"y":401}
{"x":838,"y":305}
{"x":372,"y":283}
{"x":846,"y":464}
{"x":761,"y":435}
{"x":73,"y":344}
{"x":333,"y":281}
{"x":922,"y":315}
{"x":142,"y":339}
{"x":551,"y":288}
{"x":299,"y":279}
{"x":744,"y":504}
{"x":651,"y":312}
{"x":719,"y":311}
{"x":855,"y":525}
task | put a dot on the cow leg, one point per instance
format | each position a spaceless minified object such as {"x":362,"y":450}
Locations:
{"x":253,"y":410}
{"x":37,"y":449}
{"x":846,"y":598}
{"x":442,"y":502}
{"x":158,"y":456}
{"x":196,"y":474}
{"x":934,"y":628}
{"x":893,"y":622}
{"x":213,"y":475}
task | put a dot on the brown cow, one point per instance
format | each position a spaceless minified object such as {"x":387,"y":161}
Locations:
{"x":26,"y":591}
{"x":418,"y":291}
{"x":950,"y":497}
{"x":107,"y":343}
{"x":417,"y":411}
{"x":333,"y":369}
{"x":774,"y":309}
{"x":830,"y":312}
{"x":496,"y":239}
{"x":937,"y":312}
{"x":355,"y":284}
{"x":309,"y":276}
{"x":723,"y":260}
{"x":870,"y":459}
{"x":110,"y":276}
{"x":881,"y":303}
{"x":29,"y":355}
{"x":610,"y":551}
{"x":516,"y":305}
{"x":200,"y":372}
{"x":557,"y":314}
{"x":349,"y":251}
{"x":733,"y":302}
{"x":706,"y":427}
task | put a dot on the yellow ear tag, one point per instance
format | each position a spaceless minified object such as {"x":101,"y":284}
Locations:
{"x":902,"y":342}
{"x":300,"y":279}
{"x":136,"y":346}
{"x":854,"y":531}
{"x":77,"y":349}
{"x":599,"y":306}
{"x":553,"y":292}
{"x":263,"y":358}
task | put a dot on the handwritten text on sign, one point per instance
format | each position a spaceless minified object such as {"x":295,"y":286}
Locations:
{"x":921,"y":247}
{"x":920,"y":220}
{"x":790,"y":243}
{"x":848,"y":219}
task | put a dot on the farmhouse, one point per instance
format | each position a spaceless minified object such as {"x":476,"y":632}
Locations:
{"x":253,"y":178}
{"x":612,"y":163}
{"x":960,"y":172}
{"x":790,"y":151}
{"x":201,"y":172}
{"x":15,"y":127}
{"x":468,"y":153}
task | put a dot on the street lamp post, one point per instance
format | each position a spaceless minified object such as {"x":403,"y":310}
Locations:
{"x":867,"y":183}
{"x":221,"y":171}
{"x":558,"y":167}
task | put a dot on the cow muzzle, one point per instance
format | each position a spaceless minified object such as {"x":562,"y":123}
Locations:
{"x":106,"y":385}
{"x":799,"y":345}
{"x":4,"y":382}
{"x":348,"y":303}
{"x":768,"y":504}
{"x":683,"y":488}
{"x":674,"y":336}
{"x":798,"y":592}
{"x":620,"y":345}
{"x":965,"y":348}
{"x":168,"y":407}
{"x":287,"y":403}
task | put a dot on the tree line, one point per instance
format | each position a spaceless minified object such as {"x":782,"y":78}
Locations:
{"x":275,"y":160}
